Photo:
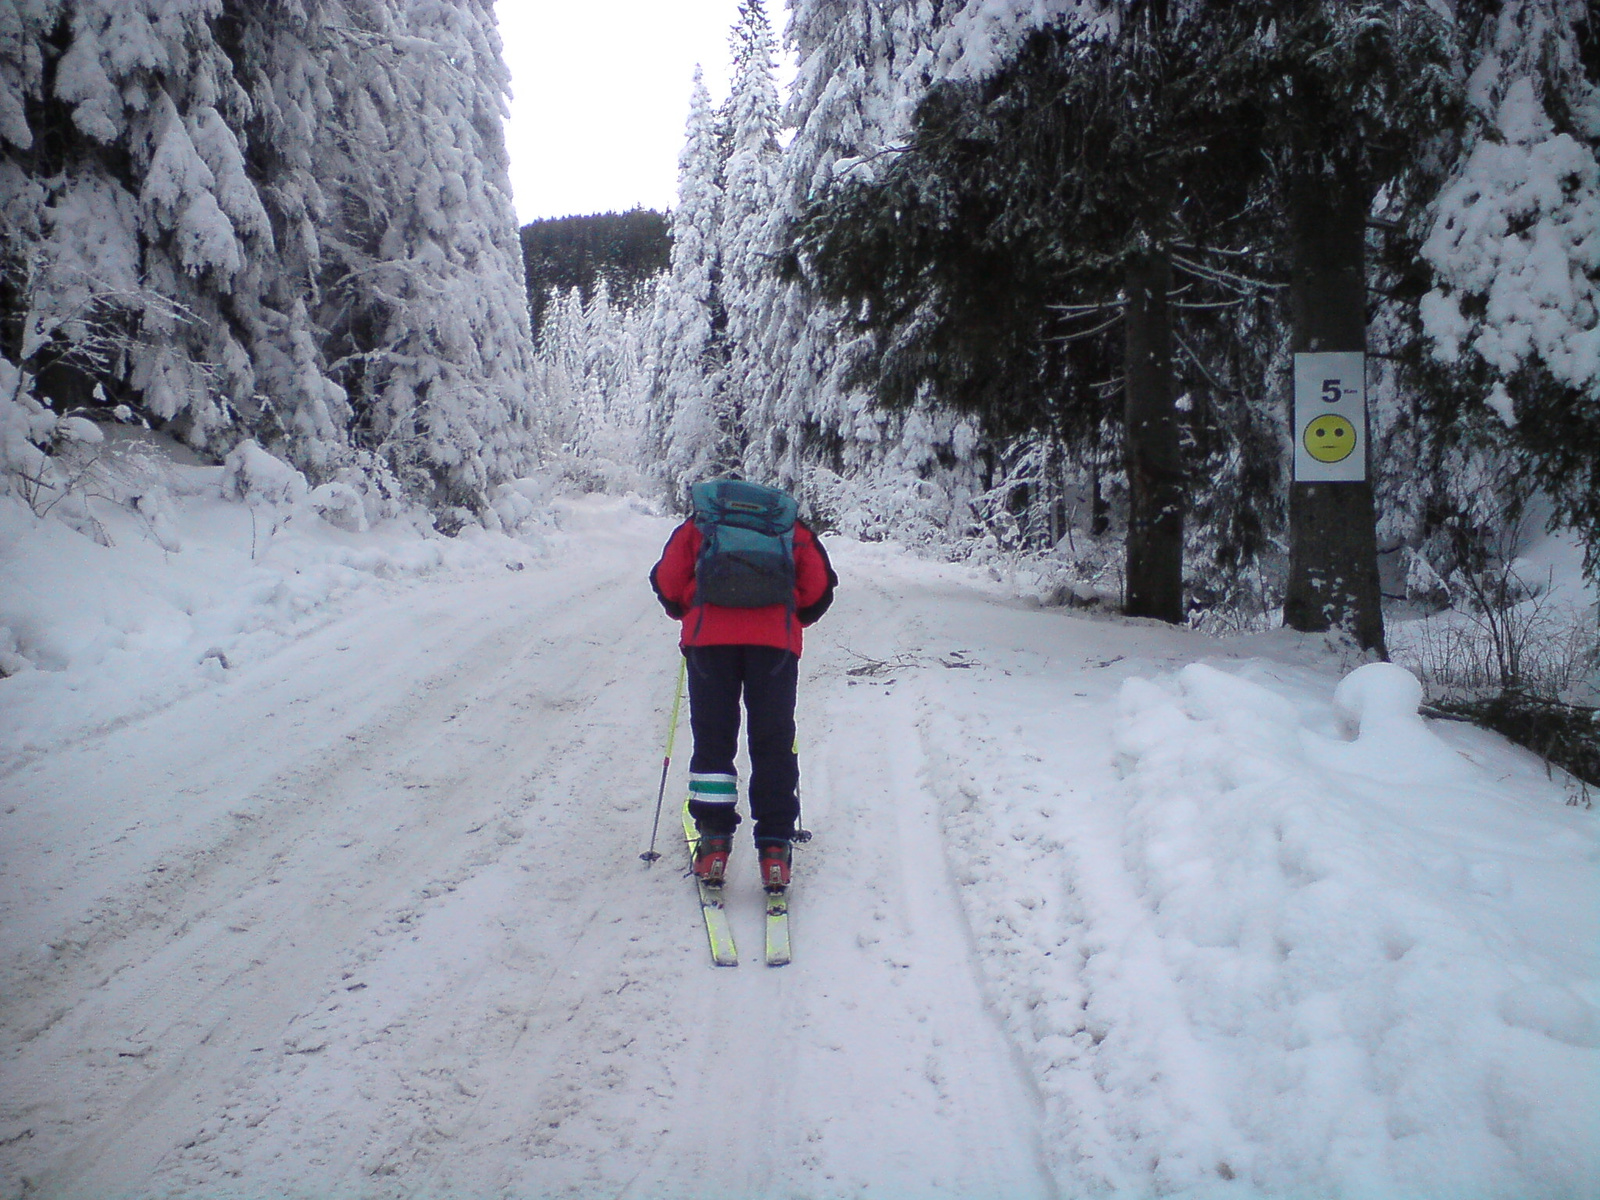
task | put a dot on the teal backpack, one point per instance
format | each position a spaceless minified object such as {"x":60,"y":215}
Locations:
{"x":747,"y":549}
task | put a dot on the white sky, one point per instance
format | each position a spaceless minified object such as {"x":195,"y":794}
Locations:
{"x":602,"y":93}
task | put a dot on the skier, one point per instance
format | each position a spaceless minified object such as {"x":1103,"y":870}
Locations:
{"x":743,"y":546}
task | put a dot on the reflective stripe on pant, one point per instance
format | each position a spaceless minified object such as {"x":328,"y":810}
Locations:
{"x":765,"y":677}
{"x":711,"y":800}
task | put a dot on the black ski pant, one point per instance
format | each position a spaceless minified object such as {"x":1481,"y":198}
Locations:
{"x":765,"y":676}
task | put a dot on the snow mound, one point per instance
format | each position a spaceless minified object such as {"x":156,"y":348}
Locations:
{"x":1353,"y":957}
{"x":1377,"y":695}
{"x":161,"y":575}
{"x":1293,"y":940}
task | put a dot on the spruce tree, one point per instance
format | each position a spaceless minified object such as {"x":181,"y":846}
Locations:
{"x":1511,"y":295}
{"x":1349,"y":95}
{"x":861,"y":65}
{"x":1236,"y":142}
{"x":627,"y":250}
{"x":136,"y":244}
{"x":1032,"y":213}
{"x":688,"y":426}
{"x":745,"y":236}
{"x":287,"y":221}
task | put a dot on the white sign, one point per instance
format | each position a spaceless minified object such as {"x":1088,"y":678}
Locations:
{"x":1330,"y":417}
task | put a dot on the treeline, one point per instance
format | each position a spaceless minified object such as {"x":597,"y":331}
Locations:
{"x":1022,"y":273}
{"x":625,"y":250}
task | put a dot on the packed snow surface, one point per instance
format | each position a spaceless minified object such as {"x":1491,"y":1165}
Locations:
{"x":321,"y":878}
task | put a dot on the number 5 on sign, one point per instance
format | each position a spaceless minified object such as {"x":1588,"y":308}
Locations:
{"x":1330,"y":417}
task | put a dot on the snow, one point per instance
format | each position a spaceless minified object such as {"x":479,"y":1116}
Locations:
{"x":250,"y":206}
{"x":982,"y":34}
{"x":202,"y":569}
{"x":81,"y":80}
{"x":1516,"y":229}
{"x":320,"y":877}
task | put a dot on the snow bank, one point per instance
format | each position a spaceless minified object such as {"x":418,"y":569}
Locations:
{"x":1292,"y":944}
{"x":1370,"y":891}
{"x":157,"y":575}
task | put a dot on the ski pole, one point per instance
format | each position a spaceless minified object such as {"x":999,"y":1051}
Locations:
{"x":801,"y":833}
{"x":650,"y":855}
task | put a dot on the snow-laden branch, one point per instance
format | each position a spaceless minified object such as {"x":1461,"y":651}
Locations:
{"x":1228,"y":279}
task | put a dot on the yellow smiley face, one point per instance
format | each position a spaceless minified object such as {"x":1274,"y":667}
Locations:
{"x":1330,"y":438}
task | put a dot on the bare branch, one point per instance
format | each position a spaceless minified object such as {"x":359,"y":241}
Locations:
{"x":1227,"y":279}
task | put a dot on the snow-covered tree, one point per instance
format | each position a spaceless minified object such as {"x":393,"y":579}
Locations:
{"x":861,"y":64}
{"x":690,"y":426}
{"x":287,"y":220}
{"x":861,"y":69}
{"x":134,"y":241}
{"x":592,"y":371}
{"x":746,"y":232}
{"x":1029,"y":213}
{"x":1513,"y":314}
{"x":421,"y":278}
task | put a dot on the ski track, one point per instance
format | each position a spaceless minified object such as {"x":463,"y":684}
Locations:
{"x":377,"y":927}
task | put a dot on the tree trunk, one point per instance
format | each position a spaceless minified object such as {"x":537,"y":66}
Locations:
{"x":1155,"y":468}
{"x":1333,"y":544}
{"x":1099,"y":507}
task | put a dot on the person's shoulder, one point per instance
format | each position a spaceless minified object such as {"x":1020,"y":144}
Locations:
{"x":809,"y":540}
{"x":684,"y":536}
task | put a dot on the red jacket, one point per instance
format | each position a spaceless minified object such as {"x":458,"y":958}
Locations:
{"x":712,"y":625}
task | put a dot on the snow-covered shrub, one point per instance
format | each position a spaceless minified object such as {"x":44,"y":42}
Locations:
{"x":339,"y":505}
{"x":25,"y":429}
{"x":12,"y":660}
{"x":48,"y":461}
{"x":1536,"y":645}
{"x":518,"y":501}
{"x":249,"y":473}
{"x":1514,"y":617}
{"x":1423,"y":582}
{"x":155,"y":506}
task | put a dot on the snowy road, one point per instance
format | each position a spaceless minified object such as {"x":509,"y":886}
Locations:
{"x":369,"y":920}
{"x":1095,"y":908}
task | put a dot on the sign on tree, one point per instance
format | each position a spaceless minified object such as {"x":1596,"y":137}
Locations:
{"x":1330,"y":417}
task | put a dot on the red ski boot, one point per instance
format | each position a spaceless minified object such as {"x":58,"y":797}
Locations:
{"x":711,"y":858}
{"x":775,"y":859}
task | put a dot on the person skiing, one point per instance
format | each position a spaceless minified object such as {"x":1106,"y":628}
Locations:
{"x":743,"y":576}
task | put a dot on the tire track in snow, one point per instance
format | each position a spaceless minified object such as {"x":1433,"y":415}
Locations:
{"x":867,"y":1064}
{"x":372,"y":1000}
{"x":176,"y":944}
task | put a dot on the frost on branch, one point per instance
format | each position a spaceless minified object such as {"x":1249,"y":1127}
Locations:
{"x":290,"y":223}
{"x":1516,"y":249}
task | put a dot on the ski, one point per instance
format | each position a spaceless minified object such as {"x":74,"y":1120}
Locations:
{"x":777,"y":928}
{"x":720,"y":934}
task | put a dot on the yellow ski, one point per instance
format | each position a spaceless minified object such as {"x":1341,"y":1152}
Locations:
{"x":777,"y":928}
{"x":720,"y":934}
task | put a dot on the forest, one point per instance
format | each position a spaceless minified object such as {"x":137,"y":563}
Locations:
{"x":1199,"y":403}
{"x":1013,"y":282}
{"x":622,"y":251}
{"x":1033,"y":289}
